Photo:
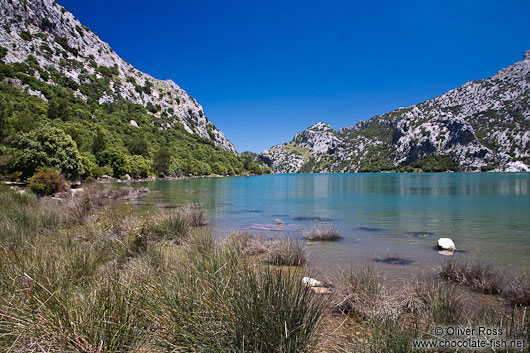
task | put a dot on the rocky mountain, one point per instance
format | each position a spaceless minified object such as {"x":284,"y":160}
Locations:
{"x":42,"y":32}
{"x":481,"y":125}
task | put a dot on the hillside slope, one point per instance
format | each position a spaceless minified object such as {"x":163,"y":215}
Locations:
{"x":57,"y":40}
{"x":55,"y":72}
{"x":481,"y":125}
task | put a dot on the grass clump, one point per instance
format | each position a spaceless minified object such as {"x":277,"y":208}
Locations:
{"x":242,"y":306}
{"x":245,"y":243}
{"x":322,"y":232}
{"x":194,"y":215}
{"x":274,"y":252}
{"x":172,"y":225}
{"x":440,"y":303}
{"x":517,"y":291}
{"x":101,"y":284}
{"x":286,"y":253}
{"x":362,"y":293}
{"x":479,"y":276}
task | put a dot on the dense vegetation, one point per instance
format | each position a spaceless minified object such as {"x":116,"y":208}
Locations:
{"x":79,"y":276}
{"x":84,"y":139}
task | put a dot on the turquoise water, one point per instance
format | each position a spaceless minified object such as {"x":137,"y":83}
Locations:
{"x":401,"y":215}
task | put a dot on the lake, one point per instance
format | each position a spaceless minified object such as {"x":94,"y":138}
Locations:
{"x":380,"y":215}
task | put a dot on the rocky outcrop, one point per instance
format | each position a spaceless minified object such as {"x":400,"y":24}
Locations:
{"x":482,"y":125}
{"x":45,"y":31}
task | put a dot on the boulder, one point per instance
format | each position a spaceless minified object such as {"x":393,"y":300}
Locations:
{"x":446,"y":244}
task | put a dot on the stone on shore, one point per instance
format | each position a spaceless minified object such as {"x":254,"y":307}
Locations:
{"x":311,"y":282}
{"x":321,"y":290}
{"x":446,"y":244}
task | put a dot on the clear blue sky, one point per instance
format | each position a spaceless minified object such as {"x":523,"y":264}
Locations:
{"x":263,"y":70}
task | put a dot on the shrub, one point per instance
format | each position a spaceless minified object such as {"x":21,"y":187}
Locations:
{"x":139,"y":167}
{"x":116,"y":159}
{"x":46,"y":181}
{"x":47,"y":146}
{"x":25,"y":35}
{"x":322,"y":232}
{"x":59,"y":108}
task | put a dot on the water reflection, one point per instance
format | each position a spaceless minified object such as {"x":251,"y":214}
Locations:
{"x":485,"y":213}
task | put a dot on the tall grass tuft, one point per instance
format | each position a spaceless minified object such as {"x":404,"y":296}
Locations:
{"x":517,"y":291}
{"x":322,"y":232}
{"x":108,"y":281}
{"x":363,"y":294}
{"x":194,"y":215}
{"x":382,"y":336}
{"x":439,"y":303}
{"x":286,"y":253}
{"x":242,"y":307}
{"x":479,"y":276}
{"x":245,"y":243}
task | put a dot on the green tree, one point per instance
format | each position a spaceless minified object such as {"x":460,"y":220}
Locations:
{"x":219,"y":168}
{"x":47,"y":146}
{"x":99,"y":142}
{"x":162,"y":162}
{"x":59,"y":108}
{"x":138,"y":146}
{"x":139,"y":167}
{"x":6,"y":110}
{"x":117,"y":160}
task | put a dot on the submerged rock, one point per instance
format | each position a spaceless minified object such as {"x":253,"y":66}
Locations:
{"x":446,"y":244}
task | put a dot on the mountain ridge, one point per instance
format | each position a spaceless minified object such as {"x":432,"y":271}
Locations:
{"x":69,"y":103}
{"x":481,"y":125}
{"x":48,"y":32}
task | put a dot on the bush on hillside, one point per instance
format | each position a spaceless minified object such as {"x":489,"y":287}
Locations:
{"x":47,"y":181}
{"x":47,"y":146}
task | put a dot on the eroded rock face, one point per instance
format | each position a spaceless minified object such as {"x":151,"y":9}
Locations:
{"x":483,"y":124}
{"x":57,"y":40}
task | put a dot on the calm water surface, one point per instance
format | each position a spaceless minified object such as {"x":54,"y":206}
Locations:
{"x":400,"y":215}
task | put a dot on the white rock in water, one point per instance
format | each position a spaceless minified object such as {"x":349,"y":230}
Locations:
{"x":446,"y":244}
{"x":311,"y":282}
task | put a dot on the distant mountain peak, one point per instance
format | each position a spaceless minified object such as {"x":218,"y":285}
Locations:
{"x":481,"y":125}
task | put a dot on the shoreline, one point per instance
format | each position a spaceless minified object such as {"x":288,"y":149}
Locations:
{"x":112,"y":180}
